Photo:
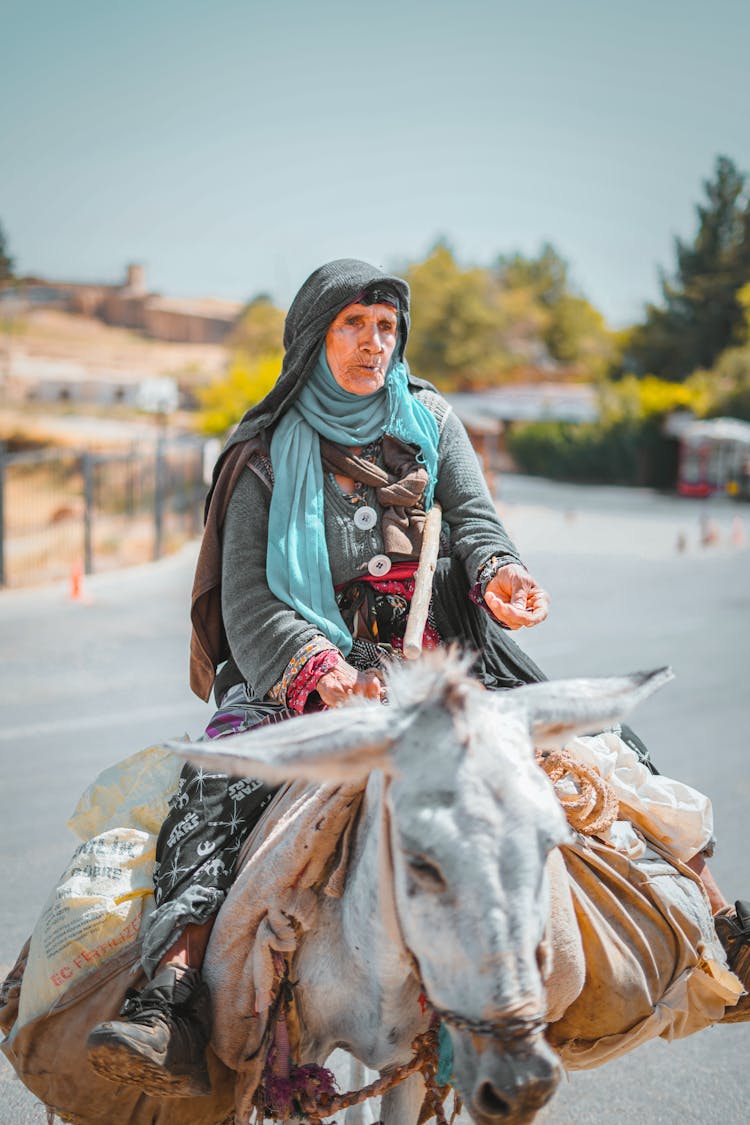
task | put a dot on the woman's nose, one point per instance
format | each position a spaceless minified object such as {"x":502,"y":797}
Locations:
{"x":370,"y":341}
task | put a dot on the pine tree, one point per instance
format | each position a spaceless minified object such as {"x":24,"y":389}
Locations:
{"x":700,"y":315}
{"x":6,"y":262}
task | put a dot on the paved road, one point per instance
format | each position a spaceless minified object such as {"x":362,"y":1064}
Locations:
{"x":625,"y":598}
{"x":86,"y":684}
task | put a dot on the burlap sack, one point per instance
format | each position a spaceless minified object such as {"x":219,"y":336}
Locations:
{"x":100,"y":900}
{"x":49,"y":1055}
{"x":86,"y":955}
{"x":654,"y":965}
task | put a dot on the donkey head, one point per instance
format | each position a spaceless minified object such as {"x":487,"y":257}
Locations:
{"x":474,"y":819}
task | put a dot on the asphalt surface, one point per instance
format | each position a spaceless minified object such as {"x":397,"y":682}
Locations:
{"x":86,"y":683}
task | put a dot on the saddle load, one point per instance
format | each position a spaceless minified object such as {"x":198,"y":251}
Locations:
{"x":436,"y":865}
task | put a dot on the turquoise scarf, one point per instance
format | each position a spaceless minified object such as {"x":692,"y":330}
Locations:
{"x":297,"y":566}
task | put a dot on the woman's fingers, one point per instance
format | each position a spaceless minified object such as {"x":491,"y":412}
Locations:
{"x":342,"y":682}
{"x":515,"y":599}
{"x":371,"y":685}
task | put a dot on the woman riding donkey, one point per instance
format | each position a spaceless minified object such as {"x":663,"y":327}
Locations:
{"x":313,"y":530}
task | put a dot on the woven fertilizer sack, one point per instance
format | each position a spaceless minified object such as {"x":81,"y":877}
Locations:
{"x":49,"y":1056}
{"x":95,"y":911}
{"x":132,"y":793}
{"x":99,"y":903}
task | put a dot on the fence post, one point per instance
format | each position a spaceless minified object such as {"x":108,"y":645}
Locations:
{"x":131,"y":467}
{"x":196,"y":491}
{"x":159,"y":497}
{"x":2,"y":512}
{"x":87,"y":464}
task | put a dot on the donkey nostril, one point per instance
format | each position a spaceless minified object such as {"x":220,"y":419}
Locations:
{"x":490,"y":1100}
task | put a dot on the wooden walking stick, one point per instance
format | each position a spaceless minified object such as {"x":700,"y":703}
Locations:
{"x":420,"y":602}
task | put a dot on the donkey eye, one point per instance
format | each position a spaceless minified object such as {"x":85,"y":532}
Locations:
{"x":426,"y":873}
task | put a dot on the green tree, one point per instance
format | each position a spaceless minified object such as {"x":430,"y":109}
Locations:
{"x":743,"y":300}
{"x":546,"y":275}
{"x":700,"y":314}
{"x":456,"y":337}
{"x":6,"y":262}
{"x":259,"y":330}
{"x":577,"y":334}
{"x":476,"y":327}
{"x":726,"y":385}
{"x":573,"y":333}
{"x":730,"y":384}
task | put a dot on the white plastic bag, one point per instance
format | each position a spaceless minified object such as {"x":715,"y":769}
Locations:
{"x":677,"y":815}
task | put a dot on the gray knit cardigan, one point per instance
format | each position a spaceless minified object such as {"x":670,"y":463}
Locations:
{"x":264,"y":634}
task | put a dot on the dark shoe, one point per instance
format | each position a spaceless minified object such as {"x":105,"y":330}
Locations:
{"x":733,"y":927}
{"x":160,"y":1042}
{"x":10,"y":990}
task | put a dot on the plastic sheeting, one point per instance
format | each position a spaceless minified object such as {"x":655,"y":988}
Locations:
{"x":676,"y":815}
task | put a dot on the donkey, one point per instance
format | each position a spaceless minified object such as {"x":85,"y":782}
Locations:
{"x":446,"y":892}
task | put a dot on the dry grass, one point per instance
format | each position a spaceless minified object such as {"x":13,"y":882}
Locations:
{"x":44,"y":524}
{"x":53,"y":335}
{"x":44,"y":505}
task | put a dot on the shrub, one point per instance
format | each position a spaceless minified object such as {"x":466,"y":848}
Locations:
{"x":625,"y":446}
{"x":246,"y":382}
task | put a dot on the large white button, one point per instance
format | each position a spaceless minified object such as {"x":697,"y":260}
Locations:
{"x":379,"y":565}
{"x":365,"y":518}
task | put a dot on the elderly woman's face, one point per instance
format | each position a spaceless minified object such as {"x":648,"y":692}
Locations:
{"x":359,"y":346}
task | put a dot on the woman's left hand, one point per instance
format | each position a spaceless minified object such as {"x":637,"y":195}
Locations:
{"x":514,"y":599}
{"x":343,"y":681}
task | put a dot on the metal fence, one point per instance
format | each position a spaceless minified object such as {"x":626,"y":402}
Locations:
{"x":64,"y":512}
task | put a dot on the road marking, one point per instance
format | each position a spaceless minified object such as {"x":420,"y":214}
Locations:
{"x":94,"y":722}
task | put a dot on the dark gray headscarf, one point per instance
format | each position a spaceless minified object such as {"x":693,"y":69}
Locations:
{"x":322,"y":297}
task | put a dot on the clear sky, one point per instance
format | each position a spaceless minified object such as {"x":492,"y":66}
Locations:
{"x":233,"y":146}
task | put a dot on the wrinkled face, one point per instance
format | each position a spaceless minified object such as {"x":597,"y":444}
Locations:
{"x":359,"y":346}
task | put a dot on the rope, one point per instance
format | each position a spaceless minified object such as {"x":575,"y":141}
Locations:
{"x":424,"y":1061}
{"x":310,"y":1090}
{"x":504,"y":1031}
{"x":593,"y":807}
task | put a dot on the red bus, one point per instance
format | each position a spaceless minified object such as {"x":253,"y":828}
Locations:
{"x":715,"y":457}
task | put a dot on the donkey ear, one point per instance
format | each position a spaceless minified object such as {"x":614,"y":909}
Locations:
{"x":559,"y":709}
{"x":336,"y":746}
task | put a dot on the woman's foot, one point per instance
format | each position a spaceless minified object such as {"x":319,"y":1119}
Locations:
{"x":159,"y":1043}
{"x":733,"y":927}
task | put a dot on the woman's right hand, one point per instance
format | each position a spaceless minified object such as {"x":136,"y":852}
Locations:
{"x":343,"y":681}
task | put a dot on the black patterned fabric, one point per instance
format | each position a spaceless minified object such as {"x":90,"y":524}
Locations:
{"x":210,"y":817}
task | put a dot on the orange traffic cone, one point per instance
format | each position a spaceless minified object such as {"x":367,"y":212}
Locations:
{"x":76,"y":584}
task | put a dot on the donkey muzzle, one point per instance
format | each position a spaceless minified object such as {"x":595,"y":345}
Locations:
{"x":510,"y":1083}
